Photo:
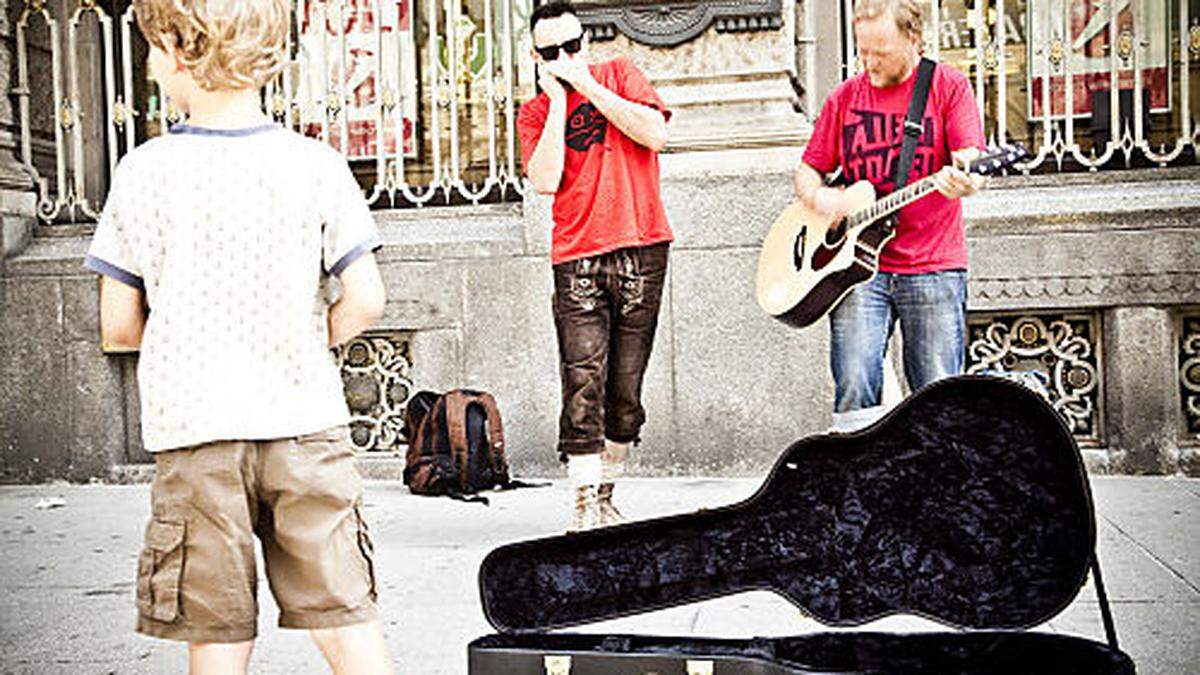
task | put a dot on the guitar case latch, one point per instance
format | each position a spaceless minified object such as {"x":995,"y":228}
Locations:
{"x":558,"y":665}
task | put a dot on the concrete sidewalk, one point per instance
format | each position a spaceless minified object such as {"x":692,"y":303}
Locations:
{"x":67,"y":577}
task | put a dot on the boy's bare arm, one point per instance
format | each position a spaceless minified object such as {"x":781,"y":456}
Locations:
{"x":362,"y":301}
{"x":122,"y":316}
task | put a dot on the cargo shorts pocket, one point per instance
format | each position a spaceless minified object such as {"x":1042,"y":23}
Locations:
{"x":160,"y":567}
{"x":367,"y":548}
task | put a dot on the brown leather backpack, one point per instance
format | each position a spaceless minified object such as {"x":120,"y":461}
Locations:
{"x":456,"y":445}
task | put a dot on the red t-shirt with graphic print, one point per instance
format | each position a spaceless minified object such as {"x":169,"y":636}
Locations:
{"x":860,"y":129}
{"x":609,"y":194}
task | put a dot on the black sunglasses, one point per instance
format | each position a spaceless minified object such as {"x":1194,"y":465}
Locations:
{"x":550,"y":52}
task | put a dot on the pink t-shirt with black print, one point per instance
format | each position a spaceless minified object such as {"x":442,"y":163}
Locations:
{"x":860,"y":129}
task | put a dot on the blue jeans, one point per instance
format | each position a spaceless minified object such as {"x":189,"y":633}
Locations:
{"x":932,"y":310}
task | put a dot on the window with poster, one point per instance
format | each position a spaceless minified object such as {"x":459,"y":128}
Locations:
{"x":428,"y":89}
{"x":362,"y":53}
{"x":1021,"y":54}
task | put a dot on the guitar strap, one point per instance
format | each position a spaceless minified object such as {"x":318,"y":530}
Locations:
{"x":913,"y":123}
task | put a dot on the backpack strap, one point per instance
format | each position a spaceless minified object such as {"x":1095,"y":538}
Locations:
{"x":455,"y":402}
{"x":495,"y":433}
{"x":913,"y":122}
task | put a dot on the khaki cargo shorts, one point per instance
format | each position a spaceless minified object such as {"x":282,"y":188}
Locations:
{"x":302,"y":498}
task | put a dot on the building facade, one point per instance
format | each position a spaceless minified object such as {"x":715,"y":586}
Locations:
{"x":1085,"y":262}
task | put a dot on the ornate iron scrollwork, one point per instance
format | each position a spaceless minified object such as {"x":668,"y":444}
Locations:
{"x":1125,"y":45}
{"x":377,"y":378}
{"x":1061,"y":347}
{"x":66,"y":115}
{"x":1057,"y":53}
{"x":991,"y":58}
{"x":672,"y":23}
{"x":1189,"y":371}
{"x":122,"y":114}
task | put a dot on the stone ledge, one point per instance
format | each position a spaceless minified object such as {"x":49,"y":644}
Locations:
{"x":408,"y":234}
{"x":50,"y":256}
{"x":451,"y":232}
{"x":387,"y":467}
{"x":1169,"y":288}
{"x":1086,"y":201}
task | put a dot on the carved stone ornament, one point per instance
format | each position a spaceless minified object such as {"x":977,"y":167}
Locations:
{"x":667,"y":24}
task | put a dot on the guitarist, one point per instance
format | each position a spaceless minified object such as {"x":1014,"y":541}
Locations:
{"x":922,"y":279}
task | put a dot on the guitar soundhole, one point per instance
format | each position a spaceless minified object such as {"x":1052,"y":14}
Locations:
{"x":835,"y":234}
{"x":835,"y":238}
{"x":798,"y":249}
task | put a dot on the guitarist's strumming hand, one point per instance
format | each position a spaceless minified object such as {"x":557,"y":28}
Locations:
{"x":830,"y":201}
{"x":953,"y":182}
{"x":811,"y":191}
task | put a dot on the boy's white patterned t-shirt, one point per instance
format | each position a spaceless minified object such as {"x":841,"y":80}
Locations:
{"x":233,"y":236}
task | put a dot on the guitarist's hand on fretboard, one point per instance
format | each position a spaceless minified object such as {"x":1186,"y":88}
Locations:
{"x":953,"y":181}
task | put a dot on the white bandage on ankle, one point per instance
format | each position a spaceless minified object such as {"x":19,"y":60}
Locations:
{"x":584,"y":470}
{"x":610,"y":471}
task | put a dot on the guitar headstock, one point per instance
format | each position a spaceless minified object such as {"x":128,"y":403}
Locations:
{"x":999,"y":157}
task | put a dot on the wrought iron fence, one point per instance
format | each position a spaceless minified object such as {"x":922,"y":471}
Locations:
{"x":1044,"y":72}
{"x":419,"y":95}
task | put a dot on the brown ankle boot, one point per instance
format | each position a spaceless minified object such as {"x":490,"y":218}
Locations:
{"x":609,"y":515}
{"x":587,"y":509}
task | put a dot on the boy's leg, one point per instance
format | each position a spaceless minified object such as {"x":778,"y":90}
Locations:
{"x":317,"y":548}
{"x":218,"y":658}
{"x":358,"y":648}
{"x":581,"y":318}
{"x":639,"y":277}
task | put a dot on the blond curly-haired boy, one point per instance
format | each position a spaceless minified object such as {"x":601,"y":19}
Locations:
{"x":216,"y":246}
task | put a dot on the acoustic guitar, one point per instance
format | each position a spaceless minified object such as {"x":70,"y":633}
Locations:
{"x":810,"y":261}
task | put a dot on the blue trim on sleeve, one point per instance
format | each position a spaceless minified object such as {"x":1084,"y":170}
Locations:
{"x":110,"y":270}
{"x":369,"y":246}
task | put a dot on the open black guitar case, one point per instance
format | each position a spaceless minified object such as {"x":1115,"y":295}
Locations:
{"x":968,"y":505}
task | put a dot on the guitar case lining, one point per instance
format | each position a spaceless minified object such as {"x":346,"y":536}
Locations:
{"x":968,"y":504}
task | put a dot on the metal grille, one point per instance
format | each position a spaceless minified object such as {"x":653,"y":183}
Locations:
{"x":1064,"y":348}
{"x":1189,"y":372}
{"x":377,"y":377}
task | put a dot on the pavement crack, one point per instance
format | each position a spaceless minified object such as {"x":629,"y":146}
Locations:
{"x":1153,"y":556}
{"x":1186,"y":486}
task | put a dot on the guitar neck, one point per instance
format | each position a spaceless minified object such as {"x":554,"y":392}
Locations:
{"x":893,"y":202}
{"x":1006,"y":156}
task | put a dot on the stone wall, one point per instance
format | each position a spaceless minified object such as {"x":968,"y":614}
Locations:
{"x":728,"y":388}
